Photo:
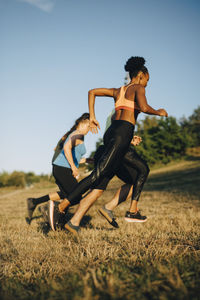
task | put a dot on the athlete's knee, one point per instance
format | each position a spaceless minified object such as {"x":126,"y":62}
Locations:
{"x":98,"y":193}
{"x":95,"y":194}
{"x":99,"y":172}
{"x":62,"y":195}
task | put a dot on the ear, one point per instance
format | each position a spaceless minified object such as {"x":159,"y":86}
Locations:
{"x":140,"y":74}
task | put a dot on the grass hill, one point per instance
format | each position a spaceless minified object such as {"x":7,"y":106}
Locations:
{"x":155,"y":260}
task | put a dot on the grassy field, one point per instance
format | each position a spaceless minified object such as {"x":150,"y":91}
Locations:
{"x":159,"y":259}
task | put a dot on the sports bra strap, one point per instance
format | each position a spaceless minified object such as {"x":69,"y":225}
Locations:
{"x":123,"y":103}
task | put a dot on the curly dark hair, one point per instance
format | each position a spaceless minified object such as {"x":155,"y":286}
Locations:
{"x":135,"y":64}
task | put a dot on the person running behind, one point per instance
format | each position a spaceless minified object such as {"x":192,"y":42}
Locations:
{"x":129,"y":101}
{"x":65,"y":162}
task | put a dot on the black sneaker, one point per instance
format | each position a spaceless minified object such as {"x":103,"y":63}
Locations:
{"x":30,"y":207}
{"x":108,"y":215}
{"x":135,"y":217}
{"x":54,"y":214}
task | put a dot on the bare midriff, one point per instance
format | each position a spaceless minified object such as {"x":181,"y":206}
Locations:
{"x":126,"y":115}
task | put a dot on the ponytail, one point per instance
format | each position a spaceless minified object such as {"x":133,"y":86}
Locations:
{"x":61,"y":142}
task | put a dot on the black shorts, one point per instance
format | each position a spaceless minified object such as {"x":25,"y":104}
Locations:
{"x":65,"y":181}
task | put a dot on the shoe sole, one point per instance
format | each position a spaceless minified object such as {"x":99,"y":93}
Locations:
{"x":70,"y":229}
{"x":107,"y":217}
{"x":51,"y":210}
{"x":134,"y":220}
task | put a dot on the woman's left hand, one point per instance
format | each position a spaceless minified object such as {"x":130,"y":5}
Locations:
{"x":75,"y":172}
{"x":136,"y":140}
{"x":94,"y":125}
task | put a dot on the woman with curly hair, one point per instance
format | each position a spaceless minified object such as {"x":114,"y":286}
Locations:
{"x":129,"y":100}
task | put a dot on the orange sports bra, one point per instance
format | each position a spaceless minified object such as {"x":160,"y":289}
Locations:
{"x":123,"y":103}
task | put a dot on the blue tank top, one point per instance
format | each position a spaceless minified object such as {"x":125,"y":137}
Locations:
{"x":77,"y":153}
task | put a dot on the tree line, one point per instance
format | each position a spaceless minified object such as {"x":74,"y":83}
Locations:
{"x":167,"y":139}
{"x":163,"y":140}
{"x":21,"y":179}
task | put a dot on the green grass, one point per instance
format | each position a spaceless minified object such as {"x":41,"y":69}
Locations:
{"x":159,"y":259}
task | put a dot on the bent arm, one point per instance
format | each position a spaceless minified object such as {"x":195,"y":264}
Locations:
{"x":68,"y":154}
{"x":102,"y":92}
{"x":142,"y":103}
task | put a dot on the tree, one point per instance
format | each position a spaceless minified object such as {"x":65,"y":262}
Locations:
{"x":162,"y":140}
{"x":191,"y":128}
{"x":194,"y":121}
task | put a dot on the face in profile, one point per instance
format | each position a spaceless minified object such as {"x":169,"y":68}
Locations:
{"x":85,"y":126}
{"x":144,"y":79}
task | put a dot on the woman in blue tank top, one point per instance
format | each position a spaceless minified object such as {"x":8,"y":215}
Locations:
{"x":129,"y":101}
{"x":67,"y":157}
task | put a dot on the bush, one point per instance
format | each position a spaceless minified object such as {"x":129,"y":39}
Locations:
{"x":4,"y":178}
{"x":16,"y":179}
{"x":21,"y":179}
{"x":30,"y":178}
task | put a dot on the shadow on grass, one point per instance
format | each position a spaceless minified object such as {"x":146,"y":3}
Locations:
{"x":44,"y":226}
{"x":192,"y":158}
{"x":171,"y":279}
{"x":29,"y":221}
{"x":180,"y":181}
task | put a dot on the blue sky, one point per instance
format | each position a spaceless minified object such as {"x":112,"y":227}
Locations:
{"x":53,"y":51}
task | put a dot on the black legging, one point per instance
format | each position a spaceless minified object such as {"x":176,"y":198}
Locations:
{"x":133,"y":162}
{"x":132,"y":170}
{"x":117,"y":139}
{"x":130,"y":167}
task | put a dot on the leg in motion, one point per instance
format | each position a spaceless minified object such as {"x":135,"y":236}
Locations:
{"x":56,"y":214}
{"x":136,"y":162}
{"x":114,"y":150}
{"x":85,"y":204}
{"x":33,"y":202}
{"x":121,"y":195}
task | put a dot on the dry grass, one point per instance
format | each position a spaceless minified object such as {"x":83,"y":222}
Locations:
{"x":155,"y":260}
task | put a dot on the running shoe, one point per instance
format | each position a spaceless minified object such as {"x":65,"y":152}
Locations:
{"x":108,"y":215}
{"x":72,"y":228}
{"x":135,"y":217}
{"x":30,"y":207}
{"x":54,"y":214}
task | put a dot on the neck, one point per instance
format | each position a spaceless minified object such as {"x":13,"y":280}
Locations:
{"x":79,"y":131}
{"x":135,"y":80}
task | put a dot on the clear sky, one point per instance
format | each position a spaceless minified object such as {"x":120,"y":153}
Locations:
{"x":53,"y":51}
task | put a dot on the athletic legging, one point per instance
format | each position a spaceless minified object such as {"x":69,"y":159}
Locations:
{"x":116,"y":139}
{"x":133,"y":170}
{"x":133,"y":162}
